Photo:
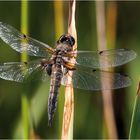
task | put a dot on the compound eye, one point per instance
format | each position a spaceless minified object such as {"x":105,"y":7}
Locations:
{"x":63,"y":38}
{"x":71,"y":40}
{"x":67,"y":39}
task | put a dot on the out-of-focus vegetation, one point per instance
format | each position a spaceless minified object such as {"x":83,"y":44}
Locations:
{"x":88,"y":115}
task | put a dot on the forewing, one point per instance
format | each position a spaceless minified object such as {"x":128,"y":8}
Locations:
{"x":90,"y":79}
{"x":104,"y":59}
{"x":16,"y":71}
{"x":22,"y":43}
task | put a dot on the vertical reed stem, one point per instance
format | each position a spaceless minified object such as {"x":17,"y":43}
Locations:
{"x":59,"y":30}
{"x":135,"y":108}
{"x":59,"y":18}
{"x":107,"y":94}
{"x":24,"y":58}
{"x":67,"y":130}
{"x":133,"y":115}
{"x":24,"y":24}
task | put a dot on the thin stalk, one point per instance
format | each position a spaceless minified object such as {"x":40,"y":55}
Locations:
{"x":68,"y":116}
{"x":107,"y":94}
{"x":24,"y":58}
{"x":59,"y":18}
{"x":24,"y":24}
{"x":111,"y":24}
{"x":134,"y":111}
{"x":133,"y":115}
{"x":25,"y":119}
{"x":59,"y":30}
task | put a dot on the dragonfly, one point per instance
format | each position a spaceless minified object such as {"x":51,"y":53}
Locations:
{"x":56,"y":64}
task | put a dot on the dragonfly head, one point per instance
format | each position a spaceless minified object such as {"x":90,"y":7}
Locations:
{"x":68,"y":39}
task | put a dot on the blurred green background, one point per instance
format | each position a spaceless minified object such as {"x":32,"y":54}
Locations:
{"x":88,"y":114}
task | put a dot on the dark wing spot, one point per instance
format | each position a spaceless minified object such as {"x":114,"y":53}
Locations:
{"x":25,"y":63}
{"x":93,"y":70}
{"x":24,"y":36}
{"x":100,"y":52}
{"x":125,"y":75}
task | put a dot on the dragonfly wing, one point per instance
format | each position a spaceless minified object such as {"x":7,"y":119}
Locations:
{"x":90,"y":79}
{"x":18,"y":71}
{"x":22,"y":43}
{"x":104,"y":59}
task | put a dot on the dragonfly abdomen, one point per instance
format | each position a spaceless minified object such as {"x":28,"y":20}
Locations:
{"x":56,"y":77}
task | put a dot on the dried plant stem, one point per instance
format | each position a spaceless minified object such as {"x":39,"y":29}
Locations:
{"x":107,"y":94}
{"x":67,"y":129}
{"x":24,"y":57}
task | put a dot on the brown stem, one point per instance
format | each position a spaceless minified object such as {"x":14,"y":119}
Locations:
{"x":107,"y":94}
{"x":67,"y":129}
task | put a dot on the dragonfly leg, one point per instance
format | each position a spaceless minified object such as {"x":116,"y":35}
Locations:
{"x":47,"y":64}
{"x":69,"y":66}
{"x":49,"y":69}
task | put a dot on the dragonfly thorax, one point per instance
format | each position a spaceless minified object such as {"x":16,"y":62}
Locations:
{"x":63,"y":49}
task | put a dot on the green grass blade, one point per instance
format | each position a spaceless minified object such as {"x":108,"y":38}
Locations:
{"x":25,"y":120}
{"x":24,"y":57}
{"x":134,"y":126}
{"x":24,"y":24}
